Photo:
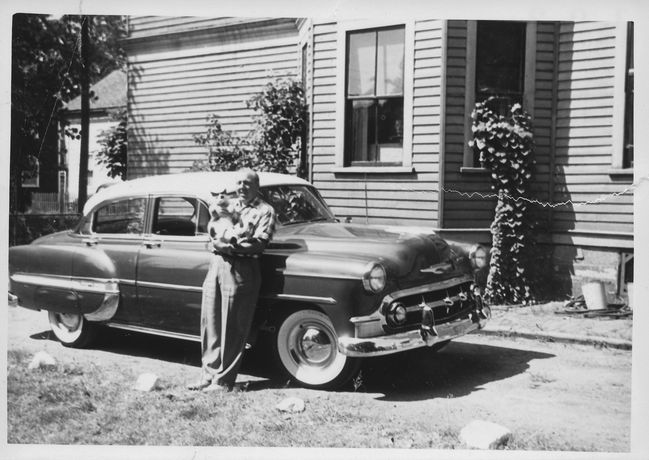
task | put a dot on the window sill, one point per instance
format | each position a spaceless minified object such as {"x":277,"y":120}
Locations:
{"x":474,"y":170}
{"x":621,"y":173}
{"x":373,"y":170}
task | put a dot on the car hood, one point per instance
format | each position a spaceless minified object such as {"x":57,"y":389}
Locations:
{"x":401,"y":250}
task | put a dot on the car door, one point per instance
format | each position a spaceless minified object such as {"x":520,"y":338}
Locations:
{"x":110,"y":240}
{"x":172,"y":264}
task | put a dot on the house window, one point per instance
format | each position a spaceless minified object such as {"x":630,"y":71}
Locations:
{"x":303,"y":69}
{"x":303,"y":167}
{"x":627,"y":158}
{"x":500,"y":63}
{"x":374,"y":96}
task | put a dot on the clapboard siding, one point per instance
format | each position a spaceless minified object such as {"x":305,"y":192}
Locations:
{"x":476,"y":212}
{"x":584,"y":133}
{"x":151,"y":26}
{"x":182,"y":69}
{"x":383,"y":198}
{"x":460,"y":211}
{"x":173,"y":90}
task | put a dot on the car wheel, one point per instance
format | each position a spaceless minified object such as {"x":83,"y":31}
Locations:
{"x":71,"y":329}
{"x":307,"y":350}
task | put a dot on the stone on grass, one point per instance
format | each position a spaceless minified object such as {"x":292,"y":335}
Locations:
{"x":146,"y":382}
{"x":291,"y":405}
{"x":485,"y":435}
{"x":42,"y":360}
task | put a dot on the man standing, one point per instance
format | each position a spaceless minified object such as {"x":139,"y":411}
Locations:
{"x":231,"y":289}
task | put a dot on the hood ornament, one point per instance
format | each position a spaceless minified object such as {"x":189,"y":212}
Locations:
{"x":438,"y":269}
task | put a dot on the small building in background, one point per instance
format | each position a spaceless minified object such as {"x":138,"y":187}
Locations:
{"x":107,"y":97}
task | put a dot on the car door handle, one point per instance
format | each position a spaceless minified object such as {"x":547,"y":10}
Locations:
{"x":152,"y":243}
{"x":90,"y":241}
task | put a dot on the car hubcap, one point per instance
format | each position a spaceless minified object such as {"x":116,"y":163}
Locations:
{"x":315,"y":346}
{"x":69,"y":321}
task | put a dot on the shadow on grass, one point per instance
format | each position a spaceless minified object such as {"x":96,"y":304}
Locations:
{"x":457,"y":370}
{"x":257,"y":363}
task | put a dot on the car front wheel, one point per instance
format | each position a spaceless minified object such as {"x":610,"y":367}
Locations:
{"x":307,"y":349}
{"x":71,"y":329}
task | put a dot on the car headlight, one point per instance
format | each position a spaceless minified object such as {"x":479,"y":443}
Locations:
{"x":374,"y":278}
{"x":479,"y":257}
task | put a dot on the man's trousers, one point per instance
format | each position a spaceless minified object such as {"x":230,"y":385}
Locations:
{"x":230,"y":293}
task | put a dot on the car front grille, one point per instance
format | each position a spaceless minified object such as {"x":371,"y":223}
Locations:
{"x":447,"y":304}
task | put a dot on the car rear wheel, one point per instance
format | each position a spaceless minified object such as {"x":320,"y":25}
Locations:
{"x":71,"y":329}
{"x":306,"y":346}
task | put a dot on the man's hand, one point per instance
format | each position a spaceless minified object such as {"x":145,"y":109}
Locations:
{"x":249,"y":246}
{"x":223,"y":248}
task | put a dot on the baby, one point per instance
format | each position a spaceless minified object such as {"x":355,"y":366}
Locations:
{"x":225,"y":224}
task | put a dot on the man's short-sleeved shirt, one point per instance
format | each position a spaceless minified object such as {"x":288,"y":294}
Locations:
{"x":258,"y":216}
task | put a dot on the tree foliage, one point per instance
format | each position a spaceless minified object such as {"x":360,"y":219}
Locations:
{"x":113,"y":144}
{"x":505,"y":144}
{"x":45,"y":73}
{"x":273,"y":142}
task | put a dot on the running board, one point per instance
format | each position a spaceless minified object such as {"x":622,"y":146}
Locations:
{"x":147,"y":330}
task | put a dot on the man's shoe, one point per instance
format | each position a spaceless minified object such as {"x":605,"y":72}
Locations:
{"x":200,"y":385}
{"x":213,"y":386}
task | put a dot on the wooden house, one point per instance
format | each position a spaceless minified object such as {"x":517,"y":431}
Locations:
{"x":389,"y":116}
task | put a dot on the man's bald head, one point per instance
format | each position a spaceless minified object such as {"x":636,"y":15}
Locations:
{"x":248,"y":184}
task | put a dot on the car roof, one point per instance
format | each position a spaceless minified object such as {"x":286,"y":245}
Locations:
{"x":194,"y":183}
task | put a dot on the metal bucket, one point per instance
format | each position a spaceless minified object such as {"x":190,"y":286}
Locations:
{"x":594,"y":295}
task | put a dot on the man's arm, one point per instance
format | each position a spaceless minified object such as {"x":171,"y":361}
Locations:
{"x":253,"y":246}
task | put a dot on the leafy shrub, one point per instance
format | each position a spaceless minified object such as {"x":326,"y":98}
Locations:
{"x":25,"y":228}
{"x":505,"y":145}
{"x":271,"y":145}
{"x":114,"y":146}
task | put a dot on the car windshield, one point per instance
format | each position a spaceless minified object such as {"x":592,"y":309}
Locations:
{"x":295,"y":204}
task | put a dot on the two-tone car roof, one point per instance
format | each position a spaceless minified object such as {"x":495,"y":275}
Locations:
{"x":198,"y":184}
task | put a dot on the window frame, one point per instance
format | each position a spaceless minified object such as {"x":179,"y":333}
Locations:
{"x":619,"y":104}
{"x":90,"y":225}
{"x":153,"y":204}
{"x":529,"y":83}
{"x":344,"y":28}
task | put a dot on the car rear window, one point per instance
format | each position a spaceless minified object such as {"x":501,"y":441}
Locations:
{"x":121,"y":217}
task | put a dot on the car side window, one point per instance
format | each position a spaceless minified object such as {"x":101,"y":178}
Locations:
{"x":179,"y":216}
{"x":122,"y":217}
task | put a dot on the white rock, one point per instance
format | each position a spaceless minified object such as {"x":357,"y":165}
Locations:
{"x":485,"y":435}
{"x":292,"y":405}
{"x":146,"y":382}
{"x":41,"y":360}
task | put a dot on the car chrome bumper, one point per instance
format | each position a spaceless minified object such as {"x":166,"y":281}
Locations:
{"x":13,"y":300}
{"x":385,"y":345}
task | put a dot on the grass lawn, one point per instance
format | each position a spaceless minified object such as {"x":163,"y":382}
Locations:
{"x":68,"y":404}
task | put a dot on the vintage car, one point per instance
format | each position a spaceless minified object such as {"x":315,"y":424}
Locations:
{"x":331,"y":293}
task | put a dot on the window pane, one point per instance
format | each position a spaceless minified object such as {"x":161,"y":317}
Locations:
{"x":294,"y":204}
{"x":125,"y":216}
{"x":361,"y":119}
{"x":175,"y":216}
{"x":390,"y":130}
{"x":389,"y":62}
{"x":500,"y":59}
{"x":627,"y":160}
{"x":360,"y":70}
